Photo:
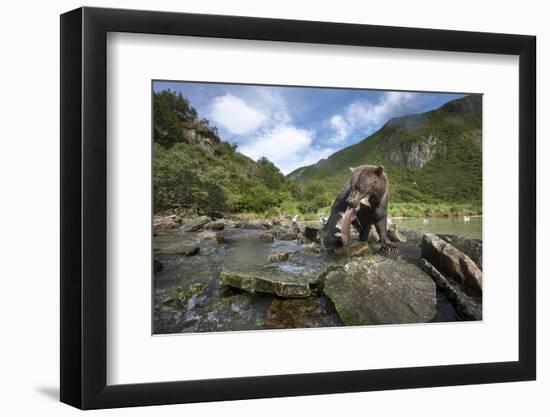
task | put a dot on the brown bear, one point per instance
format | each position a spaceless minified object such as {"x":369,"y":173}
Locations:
{"x":365,"y":198}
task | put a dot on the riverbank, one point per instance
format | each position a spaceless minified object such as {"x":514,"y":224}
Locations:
{"x":395,"y":210}
{"x":229,"y":274}
{"x":433,"y":210}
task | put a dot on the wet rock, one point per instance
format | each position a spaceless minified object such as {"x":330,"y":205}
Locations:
{"x":205,"y":235}
{"x":314,"y":248}
{"x":296,"y":313}
{"x":471,"y":247}
{"x":180,"y":297}
{"x":378,"y":290}
{"x":229,"y":223}
{"x":452,"y":263}
{"x":355,"y":249}
{"x":262,"y":279}
{"x":196,"y":224}
{"x":395,"y":235}
{"x":237,"y":312}
{"x":278,"y":257}
{"x":287,"y":234}
{"x":243,"y":236}
{"x":215,"y":225}
{"x":166,"y":222}
{"x":312,"y":234}
{"x":177,"y":248}
{"x":468,"y":308}
{"x":255,"y":224}
{"x":174,"y":308}
{"x":157,"y":265}
{"x":373,"y":236}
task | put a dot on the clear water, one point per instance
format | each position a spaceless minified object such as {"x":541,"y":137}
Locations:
{"x":213,"y":308}
{"x":444,"y":225}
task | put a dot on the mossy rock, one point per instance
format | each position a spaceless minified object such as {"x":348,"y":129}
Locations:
{"x":356,"y":249}
{"x":262,"y":279}
{"x":378,"y":290}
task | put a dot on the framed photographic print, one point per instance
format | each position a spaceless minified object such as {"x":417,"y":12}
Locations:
{"x":258,"y":207}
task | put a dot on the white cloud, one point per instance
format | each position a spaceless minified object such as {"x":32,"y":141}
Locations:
{"x":260,"y":122}
{"x":235,"y":115}
{"x":287,"y":146}
{"x":341,"y":127}
{"x":367,"y":116}
{"x":273,"y":103}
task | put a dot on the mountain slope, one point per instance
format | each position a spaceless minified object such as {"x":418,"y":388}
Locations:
{"x":194,"y":170}
{"x":432,"y":157}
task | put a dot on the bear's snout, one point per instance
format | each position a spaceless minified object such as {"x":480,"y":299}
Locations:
{"x":356,"y":198}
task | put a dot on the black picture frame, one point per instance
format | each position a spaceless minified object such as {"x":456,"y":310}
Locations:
{"x":84,"y":207}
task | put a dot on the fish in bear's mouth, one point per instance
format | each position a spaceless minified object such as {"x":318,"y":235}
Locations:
{"x":349,"y":216}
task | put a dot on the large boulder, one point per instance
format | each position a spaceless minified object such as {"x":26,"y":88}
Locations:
{"x":296,"y":313}
{"x":196,"y":224}
{"x":271,"y":280}
{"x":452,"y":263}
{"x":395,"y":235}
{"x":471,"y":247}
{"x":176,"y":248}
{"x":205,"y":235}
{"x":244,"y":236}
{"x":166,"y":222}
{"x":215,"y":225}
{"x":467,"y":307}
{"x":355,"y":249}
{"x":255,"y":224}
{"x":378,"y":290}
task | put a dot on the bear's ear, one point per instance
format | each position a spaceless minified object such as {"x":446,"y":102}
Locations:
{"x":379,"y":170}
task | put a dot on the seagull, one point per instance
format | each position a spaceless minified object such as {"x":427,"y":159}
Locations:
{"x":294,"y":219}
{"x":389,"y":221}
{"x":466,"y":219}
{"x":322,"y":219}
{"x":425,"y":220}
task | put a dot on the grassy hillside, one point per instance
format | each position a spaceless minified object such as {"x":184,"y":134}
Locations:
{"x":433,"y":160}
{"x":195,"y":171}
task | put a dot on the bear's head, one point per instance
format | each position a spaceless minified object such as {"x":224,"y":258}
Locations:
{"x":368,"y":184}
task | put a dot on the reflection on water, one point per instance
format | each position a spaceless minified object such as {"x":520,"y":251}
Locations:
{"x":445,"y":225}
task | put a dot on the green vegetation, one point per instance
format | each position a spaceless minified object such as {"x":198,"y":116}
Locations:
{"x":450,"y":182}
{"x":195,"y":171}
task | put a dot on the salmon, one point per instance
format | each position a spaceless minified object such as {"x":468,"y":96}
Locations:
{"x":349,"y":216}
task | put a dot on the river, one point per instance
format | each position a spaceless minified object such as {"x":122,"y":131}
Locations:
{"x":188,"y":296}
{"x":445,"y":225}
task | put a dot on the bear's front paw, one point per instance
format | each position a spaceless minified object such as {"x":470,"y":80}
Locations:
{"x":389,"y":248}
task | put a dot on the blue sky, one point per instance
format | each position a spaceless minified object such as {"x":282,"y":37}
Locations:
{"x":297,"y":126}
